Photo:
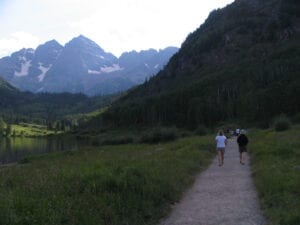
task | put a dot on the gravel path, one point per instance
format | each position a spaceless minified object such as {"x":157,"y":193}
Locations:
{"x":220,"y":196}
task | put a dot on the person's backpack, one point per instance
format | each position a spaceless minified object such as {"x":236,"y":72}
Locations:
{"x":242,"y":140}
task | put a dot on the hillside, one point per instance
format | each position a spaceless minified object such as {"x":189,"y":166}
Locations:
{"x":7,"y":93}
{"x":42,"y":108}
{"x":5,"y":86}
{"x":241,"y":64}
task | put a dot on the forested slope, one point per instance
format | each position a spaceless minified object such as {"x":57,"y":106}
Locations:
{"x":44,"y":108}
{"x":241,"y":64}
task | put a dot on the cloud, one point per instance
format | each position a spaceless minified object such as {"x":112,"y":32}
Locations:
{"x":116,"y":25}
{"x":120,"y":26}
{"x":17,"y":40}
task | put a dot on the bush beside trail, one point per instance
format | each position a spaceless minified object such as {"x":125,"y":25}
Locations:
{"x":282,"y":123}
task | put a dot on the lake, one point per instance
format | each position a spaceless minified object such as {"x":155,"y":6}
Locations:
{"x":15,"y":148}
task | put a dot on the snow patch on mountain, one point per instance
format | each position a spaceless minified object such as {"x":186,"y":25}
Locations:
{"x":57,"y":52}
{"x":44,"y":71}
{"x":31,"y":51}
{"x":40,"y":89}
{"x":24,"y":69}
{"x":22,"y":58}
{"x":106,"y":69}
{"x":101,"y":56}
{"x":94,"y":72}
{"x":110,"y":69}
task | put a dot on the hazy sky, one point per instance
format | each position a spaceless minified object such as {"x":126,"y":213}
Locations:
{"x":115,"y":25}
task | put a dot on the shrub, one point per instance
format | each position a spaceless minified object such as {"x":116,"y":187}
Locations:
{"x":282,"y":123}
{"x":186,"y":133}
{"x":159,"y":135}
{"x":24,"y":160}
{"x":201,"y":130}
{"x":96,"y":142}
{"x":118,"y":140}
{"x":296,"y":118}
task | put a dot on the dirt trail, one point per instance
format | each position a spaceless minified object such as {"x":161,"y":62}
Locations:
{"x":220,"y":196}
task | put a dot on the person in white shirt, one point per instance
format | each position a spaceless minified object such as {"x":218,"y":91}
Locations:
{"x":221,"y":142}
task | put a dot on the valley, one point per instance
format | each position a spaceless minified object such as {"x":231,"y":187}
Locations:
{"x":118,"y":140}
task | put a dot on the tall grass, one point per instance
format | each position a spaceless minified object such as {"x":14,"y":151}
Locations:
{"x":276,"y":170}
{"x":282,"y":123}
{"x":118,"y":185}
{"x":159,"y":134}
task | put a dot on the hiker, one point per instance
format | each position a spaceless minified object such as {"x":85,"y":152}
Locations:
{"x":221,"y":142}
{"x":242,"y":141}
{"x":237,"y":131}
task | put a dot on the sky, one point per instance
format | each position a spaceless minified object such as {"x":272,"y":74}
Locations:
{"x":116,"y":26}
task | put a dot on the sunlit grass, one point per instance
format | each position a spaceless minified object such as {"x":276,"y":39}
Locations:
{"x":31,"y":130}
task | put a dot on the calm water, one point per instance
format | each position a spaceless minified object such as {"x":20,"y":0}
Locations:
{"x":14,"y":149}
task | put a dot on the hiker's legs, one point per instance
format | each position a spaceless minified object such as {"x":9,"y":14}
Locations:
{"x":241,"y":158}
{"x":222,"y":156}
{"x":242,"y":150}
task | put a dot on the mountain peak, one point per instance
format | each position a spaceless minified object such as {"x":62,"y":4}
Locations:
{"x":82,"y":39}
{"x":82,"y":42}
{"x":53,"y":43}
{"x":48,"y":52}
{"x":24,"y":52}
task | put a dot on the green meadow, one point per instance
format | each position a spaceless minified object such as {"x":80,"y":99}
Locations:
{"x":276,"y":172}
{"x":136,"y":183}
{"x":30,"y":130}
{"x":119,"y":185}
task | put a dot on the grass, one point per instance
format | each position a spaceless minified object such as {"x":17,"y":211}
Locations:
{"x":276,"y":171}
{"x":117,"y":185}
{"x":148,"y":135}
{"x":30,"y":130}
{"x":282,"y":123}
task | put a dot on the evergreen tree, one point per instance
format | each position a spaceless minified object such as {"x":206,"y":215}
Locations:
{"x":8,"y":130}
{"x":2,"y":126}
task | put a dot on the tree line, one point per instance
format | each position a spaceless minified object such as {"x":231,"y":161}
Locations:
{"x":253,"y":91}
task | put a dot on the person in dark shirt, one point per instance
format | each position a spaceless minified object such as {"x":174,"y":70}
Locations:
{"x":242,"y":141}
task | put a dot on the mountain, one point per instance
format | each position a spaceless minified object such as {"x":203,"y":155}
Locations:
{"x":81,"y":66}
{"x":27,"y":68}
{"x":242,"y":64}
{"x":144,"y":64}
{"x":71,"y":72}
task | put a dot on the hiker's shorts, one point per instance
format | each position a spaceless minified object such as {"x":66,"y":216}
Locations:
{"x":242,"y":149}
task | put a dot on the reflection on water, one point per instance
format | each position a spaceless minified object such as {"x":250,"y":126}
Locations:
{"x":14,"y":148}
